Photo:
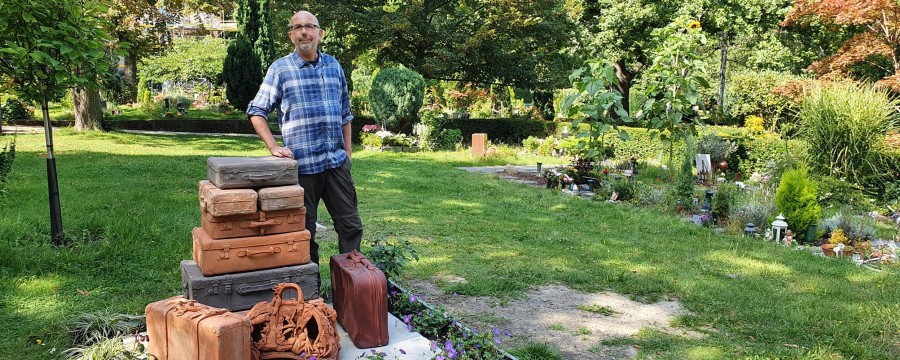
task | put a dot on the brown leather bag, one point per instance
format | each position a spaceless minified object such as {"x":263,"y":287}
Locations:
{"x":294,"y":329}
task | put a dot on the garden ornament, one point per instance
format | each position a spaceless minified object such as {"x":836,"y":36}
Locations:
{"x":839,"y":250}
{"x":750,"y":230}
{"x":788,"y":238}
{"x":779,"y":226}
{"x":293,"y":328}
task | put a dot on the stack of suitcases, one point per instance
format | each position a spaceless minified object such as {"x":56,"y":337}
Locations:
{"x":252,"y":236}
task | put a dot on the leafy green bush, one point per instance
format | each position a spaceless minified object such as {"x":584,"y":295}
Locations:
{"x":845,"y":126}
{"x":750,"y":94}
{"x":241,"y":69}
{"x":840,"y":193}
{"x":855,"y":227}
{"x":448,"y":139}
{"x":370,"y":140}
{"x":684,"y":180}
{"x":724,"y":199}
{"x":14,"y":109}
{"x":396,"y":97}
{"x":756,"y":208}
{"x":7,"y":156}
{"x":531,"y":144}
{"x":770,"y":155}
{"x":797,"y":199}
{"x":391,"y":255}
{"x":718,"y":149}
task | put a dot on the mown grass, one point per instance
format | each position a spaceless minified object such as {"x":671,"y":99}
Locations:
{"x":129,"y":202}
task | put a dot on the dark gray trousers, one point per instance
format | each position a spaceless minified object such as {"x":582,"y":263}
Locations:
{"x":334,"y":187}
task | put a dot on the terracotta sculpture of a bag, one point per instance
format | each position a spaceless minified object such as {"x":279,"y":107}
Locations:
{"x":293,"y":328}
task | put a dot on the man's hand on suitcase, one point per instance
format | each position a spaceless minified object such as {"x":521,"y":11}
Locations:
{"x":281,"y":151}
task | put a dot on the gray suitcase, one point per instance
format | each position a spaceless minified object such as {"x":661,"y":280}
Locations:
{"x":240,"y":291}
{"x":251,"y":172}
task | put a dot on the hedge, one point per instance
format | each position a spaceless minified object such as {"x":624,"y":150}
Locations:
{"x":506,"y":131}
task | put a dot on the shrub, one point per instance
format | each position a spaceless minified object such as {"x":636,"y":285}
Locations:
{"x":531,"y":144}
{"x":448,"y":139}
{"x":756,"y":208}
{"x":834,"y":192}
{"x":241,"y":70}
{"x":396,"y":97}
{"x":845,"y":126}
{"x":391,"y":255}
{"x":854,"y":227}
{"x":750,"y":94}
{"x":371,"y":140}
{"x":506,"y":131}
{"x":684,"y":180}
{"x":796,"y":198}
{"x":7,"y":156}
{"x":14,"y":109}
{"x":723,"y":200}
{"x":754,"y":124}
{"x":771,"y":155}
{"x":718,"y":149}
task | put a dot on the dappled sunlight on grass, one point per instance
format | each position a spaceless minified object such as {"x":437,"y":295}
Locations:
{"x":558,"y":207}
{"x":402,"y":220}
{"x":747,"y":266}
{"x":704,"y":353}
{"x":502,"y":254}
{"x":462,"y":204}
{"x":631,"y":267}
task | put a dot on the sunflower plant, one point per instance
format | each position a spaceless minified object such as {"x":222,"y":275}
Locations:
{"x":673,"y":83}
{"x":596,"y":103}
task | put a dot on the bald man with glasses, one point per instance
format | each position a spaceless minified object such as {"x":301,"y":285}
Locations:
{"x":309,"y":90}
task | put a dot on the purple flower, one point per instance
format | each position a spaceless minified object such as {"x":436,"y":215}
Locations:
{"x":448,"y":345}
{"x":402,"y":351}
{"x":497,"y":340}
{"x":373,"y":351}
{"x":455,"y":294}
{"x":408,"y":327}
{"x":393,"y":292}
{"x":440,"y":357}
{"x":412,"y":298}
{"x":507,"y":333}
{"x":496,"y":331}
{"x":407,"y":318}
{"x":434,"y":346}
{"x":313,"y":358}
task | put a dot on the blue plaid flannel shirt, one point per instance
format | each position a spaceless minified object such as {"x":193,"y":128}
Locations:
{"x":313,"y":104}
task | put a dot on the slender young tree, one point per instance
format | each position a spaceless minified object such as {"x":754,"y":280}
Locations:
{"x":51,"y":46}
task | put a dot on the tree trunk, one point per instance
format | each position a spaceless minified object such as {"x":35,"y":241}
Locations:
{"x":722,"y":68}
{"x":88,"y":111}
{"x":625,"y":77}
{"x":129,"y":80}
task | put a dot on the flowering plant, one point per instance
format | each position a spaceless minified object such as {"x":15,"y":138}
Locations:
{"x":371,"y":128}
{"x":467,"y":344}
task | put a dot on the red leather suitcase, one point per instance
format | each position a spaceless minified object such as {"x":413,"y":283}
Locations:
{"x":258,"y":223}
{"x":359,"y":295}
{"x":182,"y":329}
{"x":226,"y":256}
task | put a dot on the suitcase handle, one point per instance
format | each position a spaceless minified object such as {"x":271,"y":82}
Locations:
{"x":261,"y":176}
{"x":271,"y":250}
{"x":244,"y":289}
{"x":269,"y":222}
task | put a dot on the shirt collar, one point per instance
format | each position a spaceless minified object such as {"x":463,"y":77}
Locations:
{"x":299,"y":60}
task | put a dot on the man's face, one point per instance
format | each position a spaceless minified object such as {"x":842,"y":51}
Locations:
{"x":305,"y":33}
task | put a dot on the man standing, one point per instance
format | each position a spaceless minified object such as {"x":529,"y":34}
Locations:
{"x":310,"y":90}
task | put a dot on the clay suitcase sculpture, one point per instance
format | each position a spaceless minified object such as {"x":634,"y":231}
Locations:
{"x":225,"y":256}
{"x":258,"y":223}
{"x":219,"y":202}
{"x":281,"y":198}
{"x":251,"y":172}
{"x":359,"y":295}
{"x":181,"y":329}
{"x":240,"y":291}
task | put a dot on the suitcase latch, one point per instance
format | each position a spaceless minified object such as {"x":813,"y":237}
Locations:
{"x":224,"y":255}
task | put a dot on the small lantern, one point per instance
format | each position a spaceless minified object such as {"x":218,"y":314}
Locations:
{"x":750,"y":230}
{"x":591,"y":183}
{"x":779,"y":226}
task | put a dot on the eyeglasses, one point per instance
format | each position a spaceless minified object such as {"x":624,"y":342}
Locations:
{"x":304,"y":27}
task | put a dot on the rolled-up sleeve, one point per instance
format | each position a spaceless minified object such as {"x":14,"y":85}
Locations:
{"x":346,"y":114}
{"x":269,"y":95}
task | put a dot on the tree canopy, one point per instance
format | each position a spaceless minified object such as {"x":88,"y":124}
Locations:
{"x":187,"y":60}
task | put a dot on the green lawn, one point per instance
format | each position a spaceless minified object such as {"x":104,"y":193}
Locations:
{"x":129,"y":202}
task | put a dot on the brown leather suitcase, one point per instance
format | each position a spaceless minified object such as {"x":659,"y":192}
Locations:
{"x":359,"y":295}
{"x":251,"y":172}
{"x":258,"y":223}
{"x":181,"y":329}
{"x":224,"y":202}
{"x":226,"y":256}
{"x":281,"y":198}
